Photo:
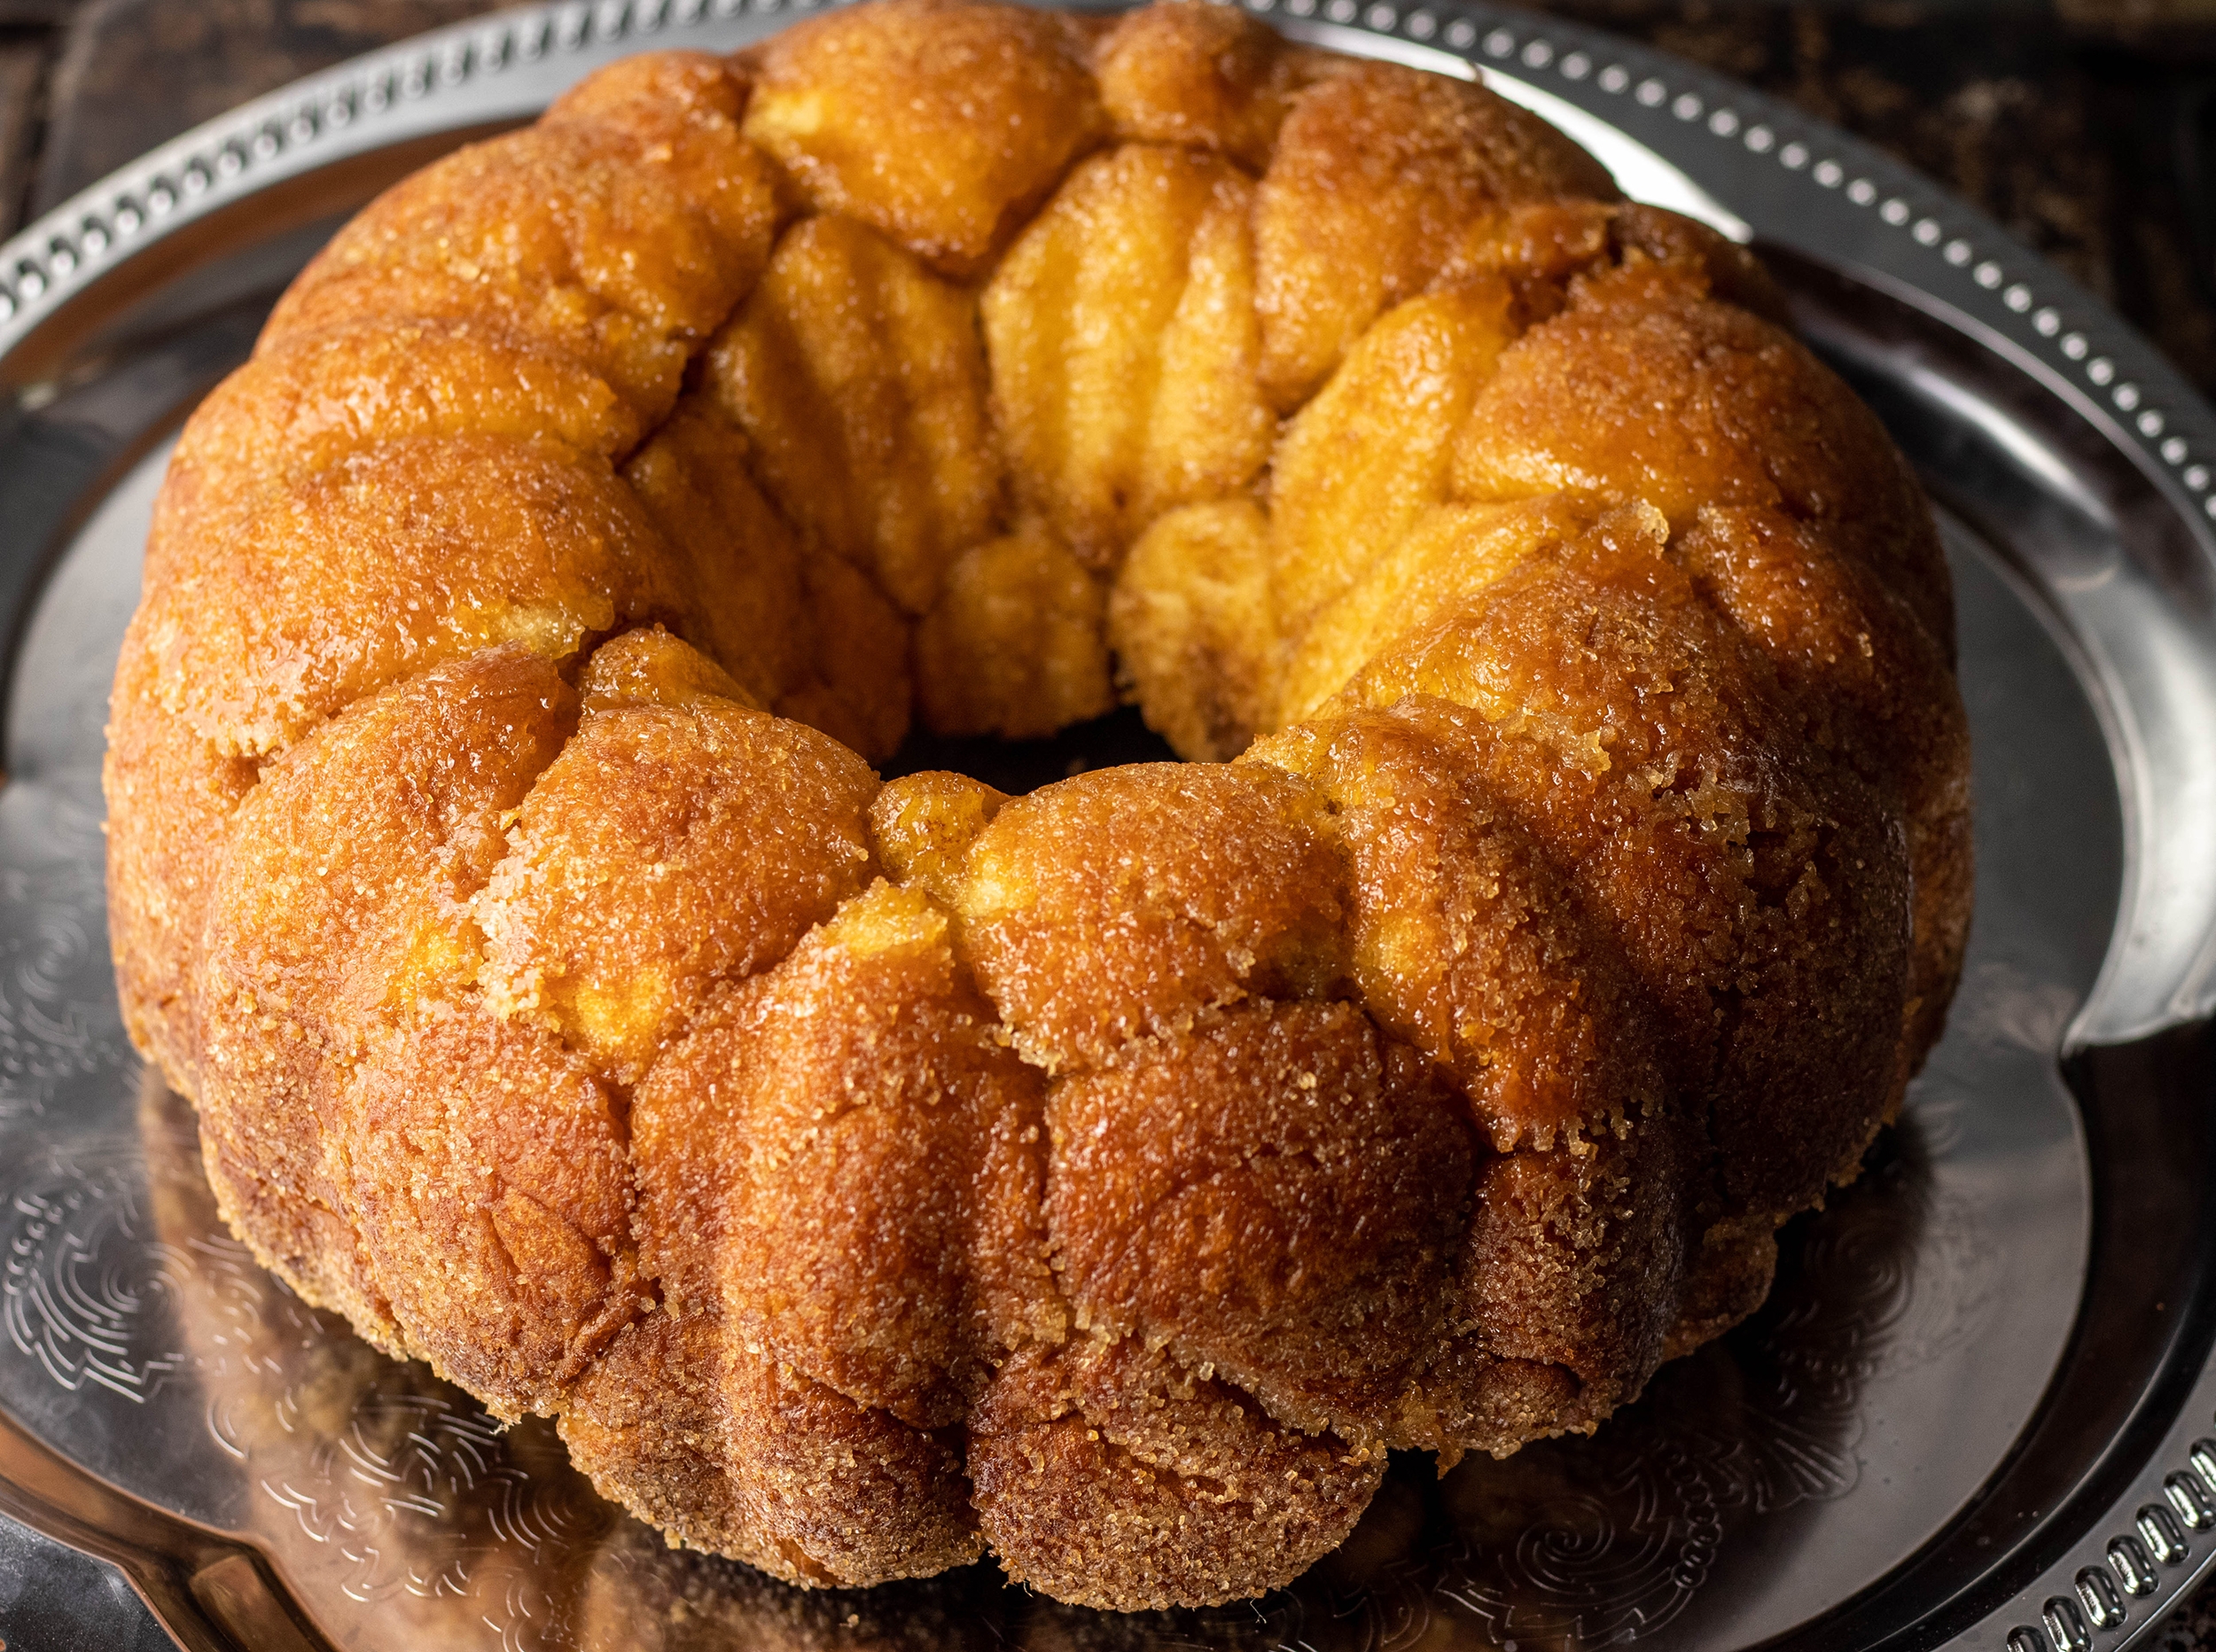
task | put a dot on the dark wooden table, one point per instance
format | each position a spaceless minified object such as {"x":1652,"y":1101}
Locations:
{"x":2087,"y":127}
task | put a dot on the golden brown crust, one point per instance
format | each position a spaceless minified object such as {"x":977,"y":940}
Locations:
{"x":1203,"y":76}
{"x":1122,"y":333}
{"x":1379,"y":176}
{"x":1466,"y":943}
{"x":617,"y":232}
{"x":1272,"y":1196}
{"x":397,"y":558}
{"x":1575,"y":1255}
{"x":866,"y":1175}
{"x":1014,"y":647}
{"x":869,"y":1161}
{"x":170,"y":799}
{"x":484,"y":1167}
{"x":1857,"y":664}
{"x":1193,"y":594}
{"x":850,"y":1496}
{"x":857,"y":374}
{"x":1360,"y":462}
{"x":1685,"y":403}
{"x":1109,"y":1478}
{"x":923,"y":826}
{"x":1759,"y":891}
{"x":648,"y":1421}
{"x":1127,"y":902}
{"x":341,"y":900}
{"x":937,"y":122}
{"x":669,"y":847}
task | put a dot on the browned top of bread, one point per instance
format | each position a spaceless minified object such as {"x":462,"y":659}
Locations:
{"x":868,"y":1175}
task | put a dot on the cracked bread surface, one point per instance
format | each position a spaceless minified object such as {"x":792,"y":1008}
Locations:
{"x":1569,"y":870}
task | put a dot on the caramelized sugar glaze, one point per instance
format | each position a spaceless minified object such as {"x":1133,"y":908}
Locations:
{"x":867,"y":1176}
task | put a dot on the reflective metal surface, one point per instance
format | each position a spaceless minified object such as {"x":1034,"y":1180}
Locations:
{"x":1981,"y":1364}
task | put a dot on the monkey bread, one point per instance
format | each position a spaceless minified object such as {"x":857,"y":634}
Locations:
{"x":1569,"y":870}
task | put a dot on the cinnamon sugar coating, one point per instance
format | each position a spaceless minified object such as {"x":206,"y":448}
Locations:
{"x":870,"y":1177}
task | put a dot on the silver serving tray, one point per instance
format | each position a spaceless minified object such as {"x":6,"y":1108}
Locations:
{"x":1976,"y":1411}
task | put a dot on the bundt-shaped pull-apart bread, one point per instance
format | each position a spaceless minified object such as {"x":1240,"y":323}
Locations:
{"x":869,"y":1176}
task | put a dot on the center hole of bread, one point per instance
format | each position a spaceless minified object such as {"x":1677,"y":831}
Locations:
{"x":1019,"y":766}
